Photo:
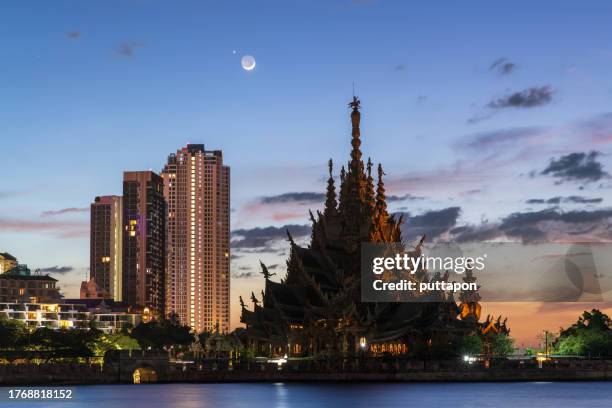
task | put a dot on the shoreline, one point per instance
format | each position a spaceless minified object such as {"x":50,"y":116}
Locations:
{"x":463,"y":376}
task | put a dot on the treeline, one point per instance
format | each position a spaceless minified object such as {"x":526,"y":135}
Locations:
{"x":19,"y":342}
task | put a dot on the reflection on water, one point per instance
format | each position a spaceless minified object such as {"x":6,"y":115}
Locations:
{"x":289,"y":395}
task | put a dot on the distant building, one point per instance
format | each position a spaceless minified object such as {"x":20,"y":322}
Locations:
{"x":19,"y":284}
{"x":91,"y":290}
{"x":7,"y":262}
{"x":51,"y":315}
{"x":106,"y":236}
{"x":197,"y":191}
{"x":143,"y":270}
{"x":108,"y":315}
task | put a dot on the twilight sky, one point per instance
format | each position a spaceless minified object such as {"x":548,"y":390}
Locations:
{"x":493,"y":121}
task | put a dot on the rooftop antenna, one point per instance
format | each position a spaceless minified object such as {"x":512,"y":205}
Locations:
{"x":353,"y":88}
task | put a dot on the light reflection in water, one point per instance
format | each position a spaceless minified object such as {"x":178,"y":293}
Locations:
{"x":323,"y":395}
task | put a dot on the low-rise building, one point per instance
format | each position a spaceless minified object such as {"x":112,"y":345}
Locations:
{"x":19,"y":285}
{"x":51,"y":315}
{"x":104,"y":314}
{"x":109,"y":315}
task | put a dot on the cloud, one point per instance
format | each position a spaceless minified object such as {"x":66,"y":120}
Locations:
{"x":546,"y":225}
{"x":405,"y":197}
{"x":528,"y":225}
{"x":262,"y":238}
{"x":283,"y":208}
{"x":296,"y":197}
{"x":598,"y":129}
{"x":73,"y":35}
{"x":57,"y":269}
{"x":243,"y":275}
{"x":502,"y":66}
{"x":582,"y":167}
{"x":471,"y":192}
{"x":127,"y":49}
{"x":62,"y":229}
{"x":481,"y":117}
{"x":11,"y":194}
{"x":500,"y":138}
{"x":570,"y":199}
{"x":292,"y":206}
{"x":69,"y":210}
{"x":431,"y":223}
{"x":528,"y":98}
{"x":475,"y":233}
{"x":582,"y":200}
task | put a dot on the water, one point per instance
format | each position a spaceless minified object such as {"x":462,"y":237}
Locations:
{"x":354,"y":395}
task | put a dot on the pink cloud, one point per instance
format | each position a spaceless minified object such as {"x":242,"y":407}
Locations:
{"x":62,"y":229}
{"x":61,"y":211}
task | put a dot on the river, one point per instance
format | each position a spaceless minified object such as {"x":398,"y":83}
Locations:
{"x":367,"y":395}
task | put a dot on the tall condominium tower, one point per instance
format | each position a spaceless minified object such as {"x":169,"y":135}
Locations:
{"x":144,"y":216}
{"x":197,"y":190}
{"x":106,"y":233}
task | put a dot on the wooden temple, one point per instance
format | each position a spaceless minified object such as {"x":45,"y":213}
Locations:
{"x":316,"y":309}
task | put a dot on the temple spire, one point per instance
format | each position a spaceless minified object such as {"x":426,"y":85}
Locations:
{"x":354,"y":186}
{"x":381,"y":203}
{"x":254,"y":299}
{"x":369,"y":193}
{"x":264,"y":271}
{"x":331,"y":203}
{"x":356,"y":165}
{"x":342,"y":191}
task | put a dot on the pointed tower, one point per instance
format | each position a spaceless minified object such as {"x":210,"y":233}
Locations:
{"x":354,"y":186}
{"x":342,"y":192}
{"x":331,"y":205}
{"x":381,"y":202}
{"x":369,"y":192}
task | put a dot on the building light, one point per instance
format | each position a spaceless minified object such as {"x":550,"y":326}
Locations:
{"x":363,"y":343}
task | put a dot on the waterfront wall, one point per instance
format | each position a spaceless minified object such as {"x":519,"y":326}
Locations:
{"x":415,"y":371}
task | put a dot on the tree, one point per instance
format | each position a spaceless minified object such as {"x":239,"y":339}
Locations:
{"x":63,"y":342}
{"x":202,"y":337}
{"x":13,"y":337}
{"x":115,"y":341}
{"x":470,"y":345}
{"x":501,"y":344}
{"x":13,"y":333}
{"x":591,"y":335}
{"x":160,"y":334}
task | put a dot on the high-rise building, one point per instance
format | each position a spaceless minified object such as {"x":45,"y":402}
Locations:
{"x":144,"y":215}
{"x":197,"y":190}
{"x":106,"y":247}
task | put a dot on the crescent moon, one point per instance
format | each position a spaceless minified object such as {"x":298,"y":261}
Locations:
{"x":248,"y":62}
